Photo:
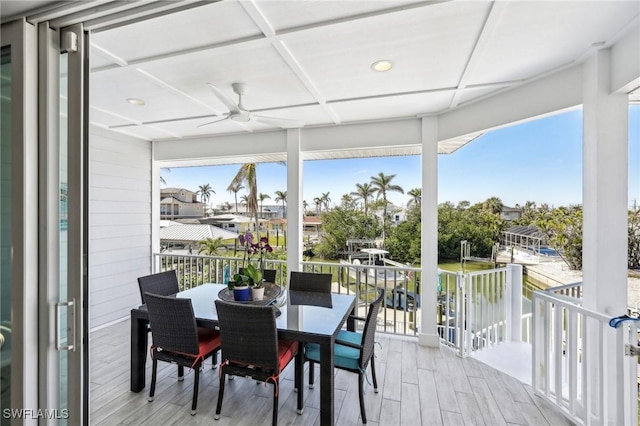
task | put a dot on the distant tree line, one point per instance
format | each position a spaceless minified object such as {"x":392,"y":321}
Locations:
{"x":358,"y":216}
{"x":480,"y":224}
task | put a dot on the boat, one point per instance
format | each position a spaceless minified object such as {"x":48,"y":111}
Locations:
{"x":403,"y":299}
{"x":364,"y":253}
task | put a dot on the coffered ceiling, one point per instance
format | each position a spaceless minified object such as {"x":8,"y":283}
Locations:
{"x":311,"y":61}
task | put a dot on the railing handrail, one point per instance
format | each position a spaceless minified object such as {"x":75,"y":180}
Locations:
{"x":563,"y":287}
{"x":401,"y":314}
{"x":484,"y":272}
{"x":559,"y":300}
{"x":579,"y":362}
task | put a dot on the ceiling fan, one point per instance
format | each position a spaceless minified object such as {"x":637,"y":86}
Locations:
{"x":238,"y":113}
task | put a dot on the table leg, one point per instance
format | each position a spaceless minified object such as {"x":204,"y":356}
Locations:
{"x":351,"y":323}
{"x":139,"y":345}
{"x":326,"y":383}
{"x":299,"y":377}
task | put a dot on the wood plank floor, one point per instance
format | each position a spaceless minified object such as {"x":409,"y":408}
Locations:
{"x":418,"y":386}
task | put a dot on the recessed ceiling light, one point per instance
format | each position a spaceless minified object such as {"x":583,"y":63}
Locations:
{"x":136,"y":101}
{"x":381,"y":66}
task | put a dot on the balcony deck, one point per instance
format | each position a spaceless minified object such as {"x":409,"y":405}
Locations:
{"x":428,"y":386}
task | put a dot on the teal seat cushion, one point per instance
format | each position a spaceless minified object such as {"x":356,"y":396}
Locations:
{"x":344,"y":356}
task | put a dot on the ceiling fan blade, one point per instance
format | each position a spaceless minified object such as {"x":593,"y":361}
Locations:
{"x":226,"y":101}
{"x":281,"y":122}
{"x":215,"y":121}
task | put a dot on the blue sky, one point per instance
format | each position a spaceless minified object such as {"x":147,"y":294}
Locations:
{"x":537,"y":161}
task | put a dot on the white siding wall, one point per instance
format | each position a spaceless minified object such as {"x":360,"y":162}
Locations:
{"x":119,"y":223}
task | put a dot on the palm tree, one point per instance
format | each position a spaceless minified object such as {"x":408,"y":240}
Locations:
{"x":346,"y":200}
{"x":318,"y":202}
{"x":325,"y":200}
{"x":262,"y":197}
{"x":305,"y":206}
{"x":364,"y":191}
{"x":416,"y":196}
{"x":205,"y":192}
{"x":244,"y":200}
{"x":235,"y":189}
{"x":247,"y":175}
{"x":211,"y":246}
{"x":282,"y":196}
{"x":226,"y":206}
{"x":382,"y":185}
{"x":493,"y":204}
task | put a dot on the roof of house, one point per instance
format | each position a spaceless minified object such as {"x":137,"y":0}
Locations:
{"x":174,"y":200}
{"x":164,"y":223}
{"x":174,"y":190}
{"x":232,"y":218}
{"x":506,"y":209}
{"x":528,"y":231}
{"x":192,"y":232}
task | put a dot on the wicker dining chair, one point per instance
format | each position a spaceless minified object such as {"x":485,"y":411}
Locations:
{"x":310,"y":281}
{"x":269,"y":275}
{"x":353,"y":351}
{"x":177,"y":339}
{"x":165,"y":284}
{"x":251,"y":348}
{"x":162,"y":283}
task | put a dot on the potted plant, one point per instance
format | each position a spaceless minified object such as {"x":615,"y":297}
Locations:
{"x":240,"y":286}
{"x":251,"y":274}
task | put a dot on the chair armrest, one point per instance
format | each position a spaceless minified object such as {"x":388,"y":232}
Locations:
{"x":357,"y":318}
{"x":349,"y":344}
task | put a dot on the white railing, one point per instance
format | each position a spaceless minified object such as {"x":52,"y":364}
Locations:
{"x":579,"y":362}
{"x":481,"y":308}
{"x":527,"y":328}
{"x":401,"y":308}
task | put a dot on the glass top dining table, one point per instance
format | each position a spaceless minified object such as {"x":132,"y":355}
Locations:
{"x":305,"y":317}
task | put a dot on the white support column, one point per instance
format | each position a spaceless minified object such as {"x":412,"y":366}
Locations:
{"x":294,"y":200}
{"x":155,"y":211}
{"x":605,"y":190}
{"x":429,"y":243}
{"x":514,"y":302}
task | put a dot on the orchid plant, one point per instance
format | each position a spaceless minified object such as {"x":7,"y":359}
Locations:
{"x":251,"y":275}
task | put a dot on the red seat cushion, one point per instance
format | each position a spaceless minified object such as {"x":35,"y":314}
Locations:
{"x":208,"y":341}
{"x":287,"y":349}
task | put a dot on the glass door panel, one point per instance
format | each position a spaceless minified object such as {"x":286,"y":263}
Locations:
{"x":72,"y":246}
{"x":64,"y":340}
{"x":5,"y":228}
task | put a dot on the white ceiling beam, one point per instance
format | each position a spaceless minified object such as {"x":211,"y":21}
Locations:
{"x":556,"y":92}
{"x":482,"y":43}
{"x":282,"y":35}
{"x":302,"y":75}
{"x":238,"y":145}
{"x":258,"y":17}
{"x":166,"y":86}
{"x":109,"y":55}
{"x":132,"y":122}
{"x":265,"y":26}
{"x":625,"y":63}
{"x":382,"y":134}
{"x":360,"y":16}
{"x":236,"y":44}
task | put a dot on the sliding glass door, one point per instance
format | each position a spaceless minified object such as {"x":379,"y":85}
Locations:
{"x":5,"y":227}
{"x":43,"y":342}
